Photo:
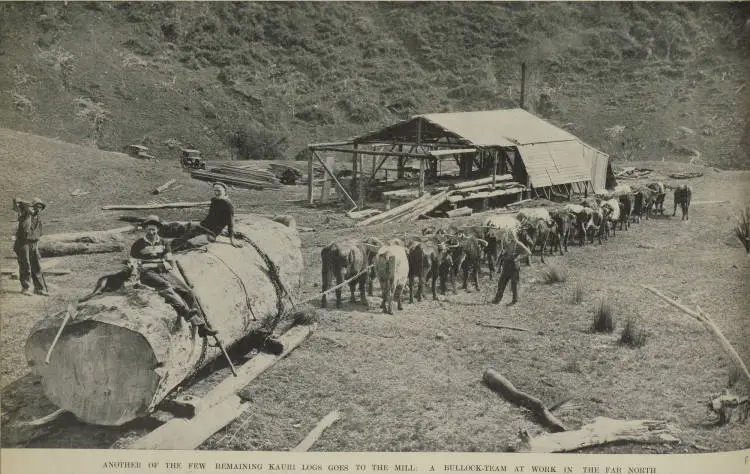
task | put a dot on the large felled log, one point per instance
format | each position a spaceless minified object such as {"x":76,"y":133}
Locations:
{"x":601,"y":432}
{"x":506,"y":389}
{"x":123,"y":353}
{"x":75,"y":243}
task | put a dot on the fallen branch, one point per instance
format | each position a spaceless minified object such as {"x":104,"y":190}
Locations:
{"x":166,"y":205}
{"x":709,"y":324}
{"x":315,"y":434}
{"x":601,"y":432}
{"x":506,"y":389}
{"x":164,"y":186}
{"x":709,"y":202}
{"x":498,"y":326}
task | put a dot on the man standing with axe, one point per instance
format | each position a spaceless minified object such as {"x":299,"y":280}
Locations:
{"x":26,"y":246}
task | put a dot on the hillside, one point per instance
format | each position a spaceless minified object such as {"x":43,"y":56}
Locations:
{"x":261,"y":80}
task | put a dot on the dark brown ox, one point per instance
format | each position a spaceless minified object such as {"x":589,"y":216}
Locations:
{"x":429,"y":261}
{"x":345,"y":260}
{"x":563,"y":224}
{"x":682,"y":196}
{"x":536,"y":234}
{"x":626,"y":209}
{"x":467,"y":257}
{"x":643,"y":202}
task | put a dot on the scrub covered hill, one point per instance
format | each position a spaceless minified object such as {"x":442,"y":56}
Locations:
{"x":261,"y":80}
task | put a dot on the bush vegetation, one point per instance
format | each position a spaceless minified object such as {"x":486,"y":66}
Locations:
{"x":604,"y":318}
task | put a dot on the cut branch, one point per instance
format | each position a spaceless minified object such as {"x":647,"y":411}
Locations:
{"x":711,"y":326}
{"x":601,"y":432}
{"x":164,"y":186}
{"x":498,"y":326}
{"x":506,"y":389}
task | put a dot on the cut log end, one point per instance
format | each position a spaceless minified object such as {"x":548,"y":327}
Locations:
{"x":124,"y":372}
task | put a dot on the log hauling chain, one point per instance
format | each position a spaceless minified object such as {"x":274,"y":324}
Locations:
{"x":343,"y":283}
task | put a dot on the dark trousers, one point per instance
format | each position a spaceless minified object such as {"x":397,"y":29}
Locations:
{"x":509,"y":273}
{"x":29,"y":268}
{"x":170,"y":288}
{"x":191,"y":236}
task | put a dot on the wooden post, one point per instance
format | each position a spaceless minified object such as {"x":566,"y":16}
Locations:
{"x":400,"y":163}
{"x":324,"y":194}
{"x":361,"y":182}
{"x":523,"y":84}
{"x":494,"y":168}
{"x":421,"y":160}
{"x":310,"y":178}
{"x":355,"y":159}
{"x":335,"y":180}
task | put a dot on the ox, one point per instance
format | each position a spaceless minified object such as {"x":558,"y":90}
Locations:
{"x":536,"y":233}
{"x":660,"y":193}
{"x":563,"y":224}
{"x":612,"y":210}
{"x":626,"y":209}
{"x":345,"y":260}
{"x":467,"y":257}
{"x":424,"y":264}
{"x":579,"y":218}
{"x":642,"y":203}
{"x":392,"y":268}
{"x":595,"y":224}
{"x":682,"y":196}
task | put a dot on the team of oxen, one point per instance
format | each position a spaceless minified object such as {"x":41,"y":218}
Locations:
{"x":438,"y":256}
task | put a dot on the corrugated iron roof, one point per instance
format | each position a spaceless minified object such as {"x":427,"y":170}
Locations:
{"x":505,"y":127}
{"x":554,"y":163}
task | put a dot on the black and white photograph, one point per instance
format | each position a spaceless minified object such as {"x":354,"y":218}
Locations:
{"x":439,"y":228}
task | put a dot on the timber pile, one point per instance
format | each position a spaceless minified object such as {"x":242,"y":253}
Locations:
{"x":121,"y":353}
{"x":243,"y":175}
{"x":410,"y":211}
{"x":632,"y":172}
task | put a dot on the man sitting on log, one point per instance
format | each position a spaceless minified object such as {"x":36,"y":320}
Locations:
{"x":151,"y":257}
{"x":220,"y":215}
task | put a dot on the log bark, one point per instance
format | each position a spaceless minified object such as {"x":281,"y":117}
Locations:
{"x":601,"y":432}
{"x":506,"y":389}
{"x":76,"y":243}
{"x":124,"y":352}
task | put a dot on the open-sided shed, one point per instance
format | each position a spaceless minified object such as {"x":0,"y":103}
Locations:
{"x":539,"y":155}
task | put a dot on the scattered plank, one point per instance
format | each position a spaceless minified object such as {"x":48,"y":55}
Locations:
{"x":363,"y":213}
{"x":696,"y":174}
{"x":500,"y":384}
{"x":166,"y":205}
{"x":13,"y":272}
{"x":221,"y":405}
{"x":602,"y":431}
{"x":164,"y":186}
{"x":712,"y":328}
{"x":709,"y":202}
{"x":315,"y":434}
{"x":499,"y":326}
{"x":78,"y":192}
{"x":460,"y":212}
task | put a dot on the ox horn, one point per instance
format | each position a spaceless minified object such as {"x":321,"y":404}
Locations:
{"x":482,"y":242}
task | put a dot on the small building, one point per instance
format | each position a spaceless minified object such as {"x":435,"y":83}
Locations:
{"x":546,"y":159}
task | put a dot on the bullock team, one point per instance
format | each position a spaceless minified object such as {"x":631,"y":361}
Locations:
{"x":441,"y":255}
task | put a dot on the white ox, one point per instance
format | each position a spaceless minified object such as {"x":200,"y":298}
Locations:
{"x":612,"y":207}
{"x":392,"y":267}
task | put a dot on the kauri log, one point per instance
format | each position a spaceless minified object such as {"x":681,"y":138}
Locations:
{"x":75,"y":243}
{"x":124,"y":352}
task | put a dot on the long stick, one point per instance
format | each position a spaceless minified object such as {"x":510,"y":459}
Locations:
{"x":205,"y":317}
{"x":711,"y":326}
{"x":315,"y":434}
{"x":68,"y":314}
{"x":498,"y":326}
{"x":168,"y":205}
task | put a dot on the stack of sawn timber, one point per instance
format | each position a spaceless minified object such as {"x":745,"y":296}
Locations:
{"x":464,"y":191}
{"x":244,"y":175}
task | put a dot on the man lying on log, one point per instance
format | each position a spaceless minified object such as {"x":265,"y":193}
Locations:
{"x":220,"y":216}
{"x":149,"y":265}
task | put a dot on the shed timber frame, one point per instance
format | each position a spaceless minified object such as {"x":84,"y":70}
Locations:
{"x":483,"y":144}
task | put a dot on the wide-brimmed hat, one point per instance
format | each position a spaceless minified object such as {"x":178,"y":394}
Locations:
{"x":152,"y":219}
{"x":219,"y":183}
{"x":38,"y":202}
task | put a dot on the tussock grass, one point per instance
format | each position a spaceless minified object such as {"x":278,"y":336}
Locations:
{"x":304,"y":316}
{"x":577,"y":296}
{"x":553,"y":273}
{"x":632,"y":334}
{"x":604,"y":318}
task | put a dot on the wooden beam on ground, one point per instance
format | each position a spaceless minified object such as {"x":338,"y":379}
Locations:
{"x":602,"y":431}
{"x":335,"y":180}
{"x":13,"y":272}
{"x":315,"y":434}
{"x":499,"y":326}
{"x":166,"y":205}
{"x":221,"y":405}
{"x":500,"y":384}
{"x":712,"y":328}
{"x":164,"y":186}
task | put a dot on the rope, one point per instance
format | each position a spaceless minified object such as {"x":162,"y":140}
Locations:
{"x":345,"y":282}
{"x":242,"y":284}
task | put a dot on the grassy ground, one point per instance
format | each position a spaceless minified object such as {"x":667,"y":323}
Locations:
{"x":413,"y":381}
